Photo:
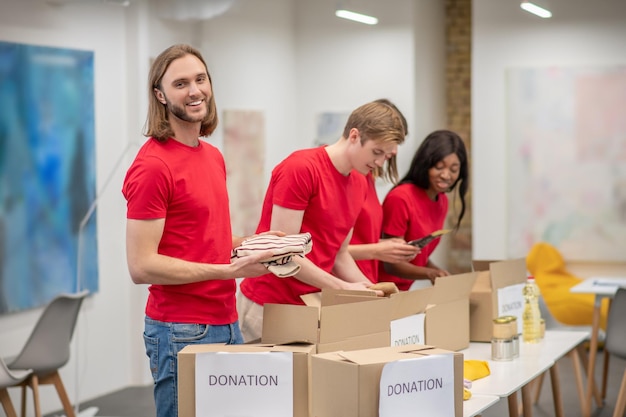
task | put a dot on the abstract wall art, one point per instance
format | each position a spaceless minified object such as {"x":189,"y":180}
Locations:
{"x":47,"y":174}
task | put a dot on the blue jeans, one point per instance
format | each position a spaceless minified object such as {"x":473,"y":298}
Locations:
{"x":163,"y":342}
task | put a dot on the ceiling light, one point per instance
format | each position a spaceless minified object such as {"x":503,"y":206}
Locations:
{"x":536,"y":10}
{"x":357,"y":17}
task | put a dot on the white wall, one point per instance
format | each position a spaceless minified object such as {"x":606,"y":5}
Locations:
{"x":581,"y":33}
{"x":289,"y":58}
{"x":102,"y":339}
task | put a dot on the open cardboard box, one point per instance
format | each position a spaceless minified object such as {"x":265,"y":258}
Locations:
{"x":187,"y":374}
{"x":348,"y":384}
{"x":485,"y":304}
{"x":446,"y":307}
{"x":332,"y":320}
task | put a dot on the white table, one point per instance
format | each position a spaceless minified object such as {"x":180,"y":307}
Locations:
{"x":559,"y":344}
{"x":478,"y":403}
{"x":508,"y":377}
{"x":601,"y":287}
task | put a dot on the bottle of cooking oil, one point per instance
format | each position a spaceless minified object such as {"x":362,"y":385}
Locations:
{"x":531,"y":332}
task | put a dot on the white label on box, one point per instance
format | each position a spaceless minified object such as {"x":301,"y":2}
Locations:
{"x":511,"y":303}
{"x":420,"y":387}
{"x":408,"y":330}
{"x":244,"y":384}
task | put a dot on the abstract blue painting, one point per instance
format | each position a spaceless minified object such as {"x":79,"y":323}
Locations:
{"x":47,"y":174}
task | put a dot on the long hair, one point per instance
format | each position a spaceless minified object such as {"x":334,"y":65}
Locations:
{"x":379,"y":120}
{"x":157,"y":123}
{"x":433,"y":149}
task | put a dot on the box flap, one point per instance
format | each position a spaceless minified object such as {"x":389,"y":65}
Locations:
{"x":313,"y":299}
{"x":510,"y":272}
{"x":193,"y":349}
{"x":372,"y":356}
{"x":453,"y":287}
{"x":331,"y":297}
{"x":287,"y":323}
{"x":343,"y":321}
{"x":385,"y":354}
{"x":407,"y":303}
{"x":483,"y":282}
{"x":482,"y":265}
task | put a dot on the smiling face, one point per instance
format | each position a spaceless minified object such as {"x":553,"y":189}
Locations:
{"x":443,"y":175}
{"x":185,"y":89}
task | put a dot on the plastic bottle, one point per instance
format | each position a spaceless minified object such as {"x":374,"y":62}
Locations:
{"x":531,"y":331}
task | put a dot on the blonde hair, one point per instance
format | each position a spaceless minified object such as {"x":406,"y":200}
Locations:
{"x":382,"y":121}
{"x":157,"y":123}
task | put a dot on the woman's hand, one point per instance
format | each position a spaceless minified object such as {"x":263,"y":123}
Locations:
{"x":395,"y":250}
{"x":433,"y":273}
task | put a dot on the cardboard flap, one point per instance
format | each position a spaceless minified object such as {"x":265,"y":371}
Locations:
{"x":508,"y":272}
{"x":483,"y":282}
{"x":299,"y":322}
{"x":482,"y":265}
{"x":453,"y":287}
{"x":331,"y":297}
{"x":412,"y":348}
{"x":372,"y":356}
{"x":386,"y":354}
{"x":313,"y":299}
{"x":343,"y":321}
{"x":407,"y":303}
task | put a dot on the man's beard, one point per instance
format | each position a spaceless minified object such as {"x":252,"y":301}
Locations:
{"x":182,"y":114}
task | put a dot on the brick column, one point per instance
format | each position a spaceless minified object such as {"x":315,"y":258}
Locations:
{"x":458,"y":118}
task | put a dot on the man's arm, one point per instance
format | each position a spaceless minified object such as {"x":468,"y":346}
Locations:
{"x":345,"y":266}
{"x":290,"y":221}
{"x":147,"y":266}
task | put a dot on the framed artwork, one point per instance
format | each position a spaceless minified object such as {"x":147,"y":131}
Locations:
{"x":567,"y":161}
{"x":244,"y":154}
{"x":47,"y":174}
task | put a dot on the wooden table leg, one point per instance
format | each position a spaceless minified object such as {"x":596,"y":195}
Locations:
{"x":576,"y":360}
{"x":556,"y":390}
{"x":593,"y":350}
{"x":513,"y":405}
{"x":527,"y":400}
{"x":538,"y":383}
{"x":585,"y":361}
{"x":605,"y":368}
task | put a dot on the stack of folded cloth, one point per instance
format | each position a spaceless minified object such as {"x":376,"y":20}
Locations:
{"x":285,"y":248}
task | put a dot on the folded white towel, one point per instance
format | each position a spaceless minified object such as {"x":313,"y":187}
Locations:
{"x":284,"y":248}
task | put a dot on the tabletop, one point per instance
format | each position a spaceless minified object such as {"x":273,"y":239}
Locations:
{"x":605,"y":286}
{"x":508,"y":377}
{"x":477,"y":404}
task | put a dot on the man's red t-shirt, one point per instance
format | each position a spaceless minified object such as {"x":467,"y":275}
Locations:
{"x":307,"y":180}
{"x":186,"y":186}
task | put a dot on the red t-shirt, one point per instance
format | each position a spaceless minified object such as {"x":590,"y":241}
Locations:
{"x":307,"y":180}
{"x":186,"y":186}
{"x":409,"y":213}
{"x":367,"y":229}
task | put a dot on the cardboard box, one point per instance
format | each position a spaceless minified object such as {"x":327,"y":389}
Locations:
{"x":332,"y":320}
{"x":301,"y":355}
{"x":497,"y":292}
{"x":348,"y":384}
{"x":446,"y":307}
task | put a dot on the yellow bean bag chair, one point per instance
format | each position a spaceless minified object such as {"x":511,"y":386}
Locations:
{"x":546,"y":264}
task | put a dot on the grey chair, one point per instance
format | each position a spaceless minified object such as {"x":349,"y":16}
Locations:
{"x":615,"y":342}
{"x":48,"y":349}
{"x":9,"y":379}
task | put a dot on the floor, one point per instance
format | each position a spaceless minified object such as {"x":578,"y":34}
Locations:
{"x":138,"y":401}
